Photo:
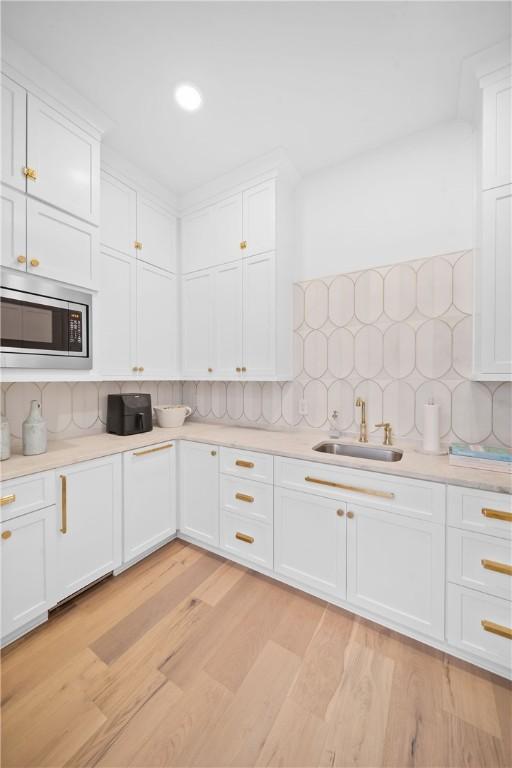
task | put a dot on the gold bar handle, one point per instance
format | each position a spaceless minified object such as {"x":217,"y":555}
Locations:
{"x":244,"y":537}
{"x":153,"y":450}
{"x":352,"y":488}
{"x":492,"y":565}
{"x":63,"y":504}
{"x":497,"y":629}
{"x":244,"y":497}
{"x":246,"y":464}
{"x":496,"y":514}
{"x":7,"y":499}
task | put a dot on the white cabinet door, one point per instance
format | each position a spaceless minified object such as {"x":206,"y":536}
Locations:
{"x":228,"y":230}
{"x":149,"y":498}
{"x":494,"y":319}
{"x":118,"y":228}
{"x":496,"y":132}
{"x":259,"y":204}
{"x":14,"y":133}
{"x":259,"y":316}
{"x":199,"y":492}
{"x":28,"y":568}
{"x":14,"y":229}
{"x":117,"y":314}
{"x":156,"y":322}
{"x":60,"y":246}
{"x":89,"y":503}
{"x":310,"y":540}
{"x":66,"y":160}
{"x":156,"y":233}
{"x":197,"y":299}
{"x":396,"y":568}
{"x":197,"y":240}
{"x":228,"y":320}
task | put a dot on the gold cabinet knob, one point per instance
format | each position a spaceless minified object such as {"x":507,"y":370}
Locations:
{"x":34,"y":262}
{"x":244,"y":369}
{"x":243,"y":245}
{"x":135,"y":369}
{"x":213,"y":453}
{"x":138,"y":245}
{"x":340,"y":512}
{"x":238,"y":370}
{"x":210,"y":370}
{"x":30,"y":173}
{"x":6,"y":534}
{"x":350,"y":515}
{"x":141,"y":368}
{"x":21,"y":259}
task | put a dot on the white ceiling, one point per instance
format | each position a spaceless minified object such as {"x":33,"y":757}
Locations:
{"x":324,"y":81}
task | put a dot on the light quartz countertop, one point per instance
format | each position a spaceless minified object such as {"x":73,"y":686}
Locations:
{"x":292,"y":444}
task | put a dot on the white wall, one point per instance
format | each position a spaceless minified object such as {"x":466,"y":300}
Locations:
{"x":410,"y":199}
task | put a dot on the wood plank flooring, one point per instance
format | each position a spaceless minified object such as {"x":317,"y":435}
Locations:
{"x":189,"y":660}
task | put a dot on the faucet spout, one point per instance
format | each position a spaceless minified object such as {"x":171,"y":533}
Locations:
{"x":363,"y":431}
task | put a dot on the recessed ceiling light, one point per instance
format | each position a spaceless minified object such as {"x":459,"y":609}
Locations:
{"x":188,"y":97}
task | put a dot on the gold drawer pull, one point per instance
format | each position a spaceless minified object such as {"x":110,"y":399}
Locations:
{"x":6,"y":534}
{"x":246,"y":464}
{"x":492,"y":565}
{"x":63,"y":504}
{"x":244,"y":537}
{"x":153,"y":450}
{"x":496,"y":514}
{"x":243,"y":245}
{"x":7,"y":499}
{"x":352,"y":488}
{"x":137,"y":245}
{"x":244,"y":497}
{"x":497,"y":629}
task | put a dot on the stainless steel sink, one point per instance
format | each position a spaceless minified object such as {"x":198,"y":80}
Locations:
{"x":360,"y":451}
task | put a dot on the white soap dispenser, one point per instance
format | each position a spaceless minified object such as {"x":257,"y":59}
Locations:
{"x":334,"y":430}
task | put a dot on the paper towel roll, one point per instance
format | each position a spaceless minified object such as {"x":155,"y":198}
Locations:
{"x":431,"y":439}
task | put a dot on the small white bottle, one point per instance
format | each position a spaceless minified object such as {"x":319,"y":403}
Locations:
{"x":34,"y":431}
{"x":334,"y":430}
{"x":5,"y":440}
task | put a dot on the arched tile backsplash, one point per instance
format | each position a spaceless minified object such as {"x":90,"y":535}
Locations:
{"x":398,"y":335}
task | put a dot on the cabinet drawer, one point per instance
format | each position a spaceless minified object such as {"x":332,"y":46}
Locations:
{"x":253,"y":466}
{"x":480,"y":562}
{"x":247,"y":539}
{"x":480,"y":511}
{"x":402,"y":495}
{"x":247,"y":498}
{"x":26,"y":494}
{"x":466,"y":610}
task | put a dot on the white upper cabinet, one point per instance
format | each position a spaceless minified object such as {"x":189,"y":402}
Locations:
{"x":60,"y":246}
{"x":197,"y":299}
{"x":14,"y":133}
{"x":64,"y":161}
{"x":259,"y":219}
{"x":156,"y":322}
{"x":496,"y":133}
{"x":228,"y":230}
{"x":117,"y":314}
{"x":259,"y":317}
{"x":228,"y":320}
{"x":492,"y":350}
{"x":118,"y":225}
{"x":197,"y":240}
{"x":14,"y":229}
{"x":156,"y":235}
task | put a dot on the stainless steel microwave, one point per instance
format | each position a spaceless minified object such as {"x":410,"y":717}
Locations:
{"x":43,"y":324}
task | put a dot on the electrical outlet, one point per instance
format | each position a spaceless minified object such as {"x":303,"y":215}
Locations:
{"x":303,"y":407}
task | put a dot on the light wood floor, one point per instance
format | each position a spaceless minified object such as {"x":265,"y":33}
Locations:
{"x":188,"y":660}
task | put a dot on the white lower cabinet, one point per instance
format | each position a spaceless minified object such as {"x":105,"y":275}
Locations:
{"x":246,"y":538}
{"x":199,"y":492}
{"x":395,"y":568}
{"x":89,"y":506}
{"x":28,"y":559}
{"x":310,"y":540}
{"x":149,"y":513}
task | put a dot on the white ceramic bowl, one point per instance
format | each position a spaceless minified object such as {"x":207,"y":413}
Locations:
{"x":171,"y":415}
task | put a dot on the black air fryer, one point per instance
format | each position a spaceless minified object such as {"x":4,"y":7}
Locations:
{"x":129,"y":414}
